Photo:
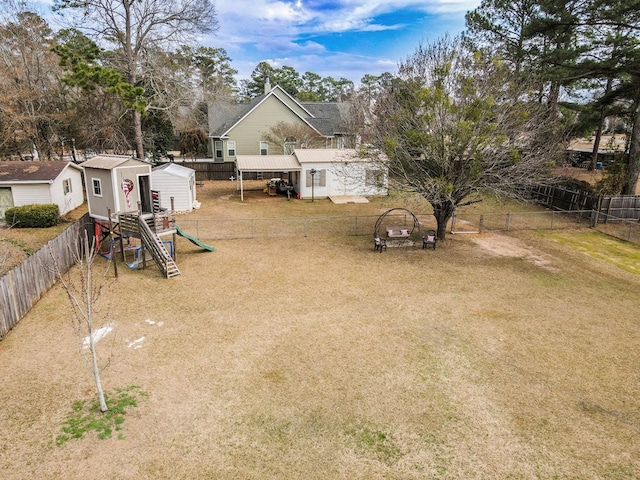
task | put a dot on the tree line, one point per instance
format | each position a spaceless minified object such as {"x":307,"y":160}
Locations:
{"x":122,"y":76}
{"x":128,"y":75}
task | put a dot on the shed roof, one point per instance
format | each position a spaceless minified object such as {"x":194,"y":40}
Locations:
{"x":109,"y":162}
{"x":175,"y":170}
{"x":32,"y":172}
{"x":267,"y":163}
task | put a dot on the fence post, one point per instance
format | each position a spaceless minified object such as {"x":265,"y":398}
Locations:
{"x":481,"y":223}
{"x":453,"y":223}
{"x":553,"y":216}
{"x":508,"y":221}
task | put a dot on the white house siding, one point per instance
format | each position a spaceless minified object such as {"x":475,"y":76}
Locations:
{"x":181,"y":188}
{"x":74,"y":198}
{"x":31,"y":194}
{"x":343,"y":171}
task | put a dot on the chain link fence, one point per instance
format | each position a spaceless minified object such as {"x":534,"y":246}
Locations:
{"x":624,"y":229}
{"x":361,"y":225}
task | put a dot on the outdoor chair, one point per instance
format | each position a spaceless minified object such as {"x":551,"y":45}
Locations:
{"x":379,"y":244}
{"x":429,"y":239}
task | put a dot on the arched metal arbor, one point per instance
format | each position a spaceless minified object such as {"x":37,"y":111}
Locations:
{"x":415,"y":226}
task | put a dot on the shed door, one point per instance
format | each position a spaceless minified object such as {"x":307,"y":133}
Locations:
{"x":6,"y":200}
{"x":146,"y":202}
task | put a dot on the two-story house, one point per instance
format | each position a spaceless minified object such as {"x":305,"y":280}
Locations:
{"x":243,"y":129}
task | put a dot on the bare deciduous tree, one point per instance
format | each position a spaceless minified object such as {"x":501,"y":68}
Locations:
{"x":84,"y":293}
{"x":455,"y":125}
{"x":288,"y":136}
{"x":137,"y":27}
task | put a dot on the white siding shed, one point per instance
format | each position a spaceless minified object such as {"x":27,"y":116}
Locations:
{"x":176,"y":181}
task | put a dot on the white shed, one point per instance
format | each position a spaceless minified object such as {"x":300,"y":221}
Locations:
{"x":28,"y":183}
{"x":176,"y":181}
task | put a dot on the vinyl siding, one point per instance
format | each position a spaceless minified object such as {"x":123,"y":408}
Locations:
{"x":180,"y":188}
{"x":74,"y":198}
{"x":248,"y":133}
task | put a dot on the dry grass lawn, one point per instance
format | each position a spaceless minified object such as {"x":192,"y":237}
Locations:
{"x":316,"y":358}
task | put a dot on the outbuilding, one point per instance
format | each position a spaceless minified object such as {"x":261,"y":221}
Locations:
{"x":176,"y":181}
{"x":117,"y":183}
{"x":29,"y":183}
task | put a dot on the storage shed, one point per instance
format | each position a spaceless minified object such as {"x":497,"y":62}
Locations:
{"x":176,"y":181}
{"x":28,"y":183}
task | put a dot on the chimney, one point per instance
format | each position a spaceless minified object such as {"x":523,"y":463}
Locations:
{"x":267,"y":86}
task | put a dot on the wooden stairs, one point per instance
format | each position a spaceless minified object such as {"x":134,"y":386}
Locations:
{"x":137,"y":226}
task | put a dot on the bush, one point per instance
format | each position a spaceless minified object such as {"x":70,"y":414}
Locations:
{"x":33,"y":216}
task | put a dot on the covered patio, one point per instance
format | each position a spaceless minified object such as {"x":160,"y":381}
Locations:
{"x":266,"y":163}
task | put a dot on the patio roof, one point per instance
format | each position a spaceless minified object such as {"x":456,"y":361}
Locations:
{"x":267,"y":163}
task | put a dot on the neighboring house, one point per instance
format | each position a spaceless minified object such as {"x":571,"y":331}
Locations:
{"x":117,"y":183}
{"x":28,"y":183}
{"x":241,"y":129}
{"x":176,"y":181}
{"x":321,"y":173}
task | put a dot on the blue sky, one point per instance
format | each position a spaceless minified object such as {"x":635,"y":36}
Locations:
{"x":338,"y":38}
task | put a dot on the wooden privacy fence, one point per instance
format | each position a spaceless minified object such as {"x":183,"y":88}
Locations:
{"x":622,"y":207}
{"x":22,"y":286}
{"x":222,"y":171}
{"x":210,"y":170}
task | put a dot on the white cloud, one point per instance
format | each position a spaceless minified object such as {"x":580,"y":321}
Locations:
{"x":289,"y":32}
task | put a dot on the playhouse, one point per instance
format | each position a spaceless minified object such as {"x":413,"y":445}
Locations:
{"x":127,"y":219}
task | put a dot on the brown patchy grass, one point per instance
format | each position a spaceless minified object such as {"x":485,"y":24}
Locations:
{"x":17,"y":243}
{"x":316,"y":358}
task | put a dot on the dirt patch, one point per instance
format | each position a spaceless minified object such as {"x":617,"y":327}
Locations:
{"x":506,"y":246}
{"x":10,"y":255}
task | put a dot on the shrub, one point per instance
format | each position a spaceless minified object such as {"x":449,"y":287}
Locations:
{"x":33,"y":216}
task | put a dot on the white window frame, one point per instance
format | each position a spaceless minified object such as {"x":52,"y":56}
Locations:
{"x":231,"y":148}
{"x":264,"y":147}
{"x":67,"y":186}
{"x":96,"y":182}
{"x":217,"y":148}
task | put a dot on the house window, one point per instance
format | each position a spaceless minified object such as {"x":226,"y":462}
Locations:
{"x":218,"y":149}
{"x":289,"y":145}
{"x":66,"y":186}
{"x":339,"y":142}
{"x":319,"y":178}
{"x":264,"y":148}
{"x":97,"y":187}
{"x":231,"y":148}
{"x":374,"y":178}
